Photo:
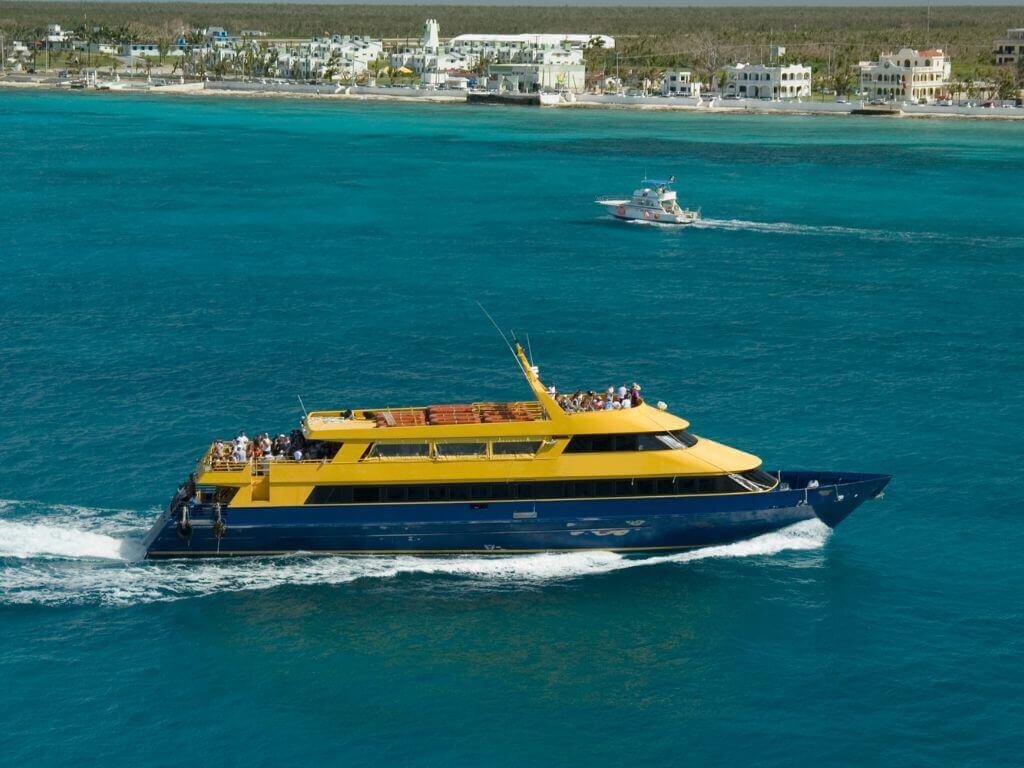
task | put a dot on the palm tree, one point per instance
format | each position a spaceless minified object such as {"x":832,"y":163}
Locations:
{"x":842,"y":79}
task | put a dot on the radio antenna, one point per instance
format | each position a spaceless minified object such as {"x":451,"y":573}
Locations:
{"x":303,"y":406}
{"x":502,"y":334}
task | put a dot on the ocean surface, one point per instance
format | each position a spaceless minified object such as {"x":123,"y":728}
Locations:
{"x":172,"y":270}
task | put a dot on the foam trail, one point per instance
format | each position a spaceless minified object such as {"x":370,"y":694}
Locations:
{"x":61,"y":562}
{"x":24,"y":540}
{"x":876,"y":235}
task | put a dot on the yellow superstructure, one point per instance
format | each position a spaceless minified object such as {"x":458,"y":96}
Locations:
{"x":527,"y":442}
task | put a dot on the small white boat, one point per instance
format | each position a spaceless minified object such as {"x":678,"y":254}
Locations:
{"x":655,"y":201}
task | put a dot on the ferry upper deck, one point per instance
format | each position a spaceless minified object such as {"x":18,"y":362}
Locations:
{"x":491,"y":442}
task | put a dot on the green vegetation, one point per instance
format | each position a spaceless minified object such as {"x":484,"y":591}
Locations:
{"x":648,"y":39}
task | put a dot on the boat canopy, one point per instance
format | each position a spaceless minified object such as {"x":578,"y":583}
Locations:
{"x":659,"y":182}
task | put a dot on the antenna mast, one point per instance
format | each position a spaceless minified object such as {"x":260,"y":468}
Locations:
{"x":502,"y":334}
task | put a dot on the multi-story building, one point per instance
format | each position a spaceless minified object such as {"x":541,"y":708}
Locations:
{"x":768,"y":81}
{"x":343,"y":55}
{"x":907,"y":74}
{"x":527,"y":62}
{"x":526,"y":77}
{"x":1010,"y":49}
{"x":680,"y":83}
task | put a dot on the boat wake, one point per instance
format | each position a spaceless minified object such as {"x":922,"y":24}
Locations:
{"x":875,"y":235}
{"x":77,"y":555}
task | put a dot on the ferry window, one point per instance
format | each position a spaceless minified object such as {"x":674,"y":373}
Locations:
{"x":688,"y":439}
{"x":584,"y":489}
{"x":651,"y":443}
{"x":395,"y":493}
{"x":330,"y":494}
{"x":399,"y":450}
{"x":418,"y":493}
{"x":366,"y":494}
{"x":502,"y":491}
{"x":671,"y":440}
{"x":461,"y":449}
{"x":644,"y":441}
{"x":224,"y":494}
{"x":517,"y":447}
{"x":761,"y":478}
{"x":458,"y":492}
{"x":644,"y":487}
{"x":547,"y":489}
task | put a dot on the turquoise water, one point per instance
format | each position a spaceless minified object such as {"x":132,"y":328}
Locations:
{"x":176,"y":269}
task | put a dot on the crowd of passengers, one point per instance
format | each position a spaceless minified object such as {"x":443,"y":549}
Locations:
{"x":611,"y":400}
{"x":293,"y":446}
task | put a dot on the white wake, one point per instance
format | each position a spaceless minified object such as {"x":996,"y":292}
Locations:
{"x":76,"y":555}
{"x":859,"y":233}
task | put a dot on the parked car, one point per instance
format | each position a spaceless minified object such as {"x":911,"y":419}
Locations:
{"x":877,"y":102}
{"x":989,"y":104}
{"x":945,"y":103}
{"x":841,"y":100}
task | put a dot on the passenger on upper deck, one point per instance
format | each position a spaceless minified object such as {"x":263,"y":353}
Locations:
{"x":613,"y":400}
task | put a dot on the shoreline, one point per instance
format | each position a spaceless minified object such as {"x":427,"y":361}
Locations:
{"x":238,"y":89}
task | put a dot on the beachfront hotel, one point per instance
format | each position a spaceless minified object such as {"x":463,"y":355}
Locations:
{"x":918,"y":76}
{"x":522,"y":63}
{"x":767,"y":81}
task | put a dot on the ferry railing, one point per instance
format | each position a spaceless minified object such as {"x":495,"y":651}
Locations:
{"x":255,"y":465}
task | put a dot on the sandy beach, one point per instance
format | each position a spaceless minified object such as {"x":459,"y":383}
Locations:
{"x":256,"y":90}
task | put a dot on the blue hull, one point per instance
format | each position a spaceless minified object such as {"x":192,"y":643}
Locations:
{"x":504,"y":527}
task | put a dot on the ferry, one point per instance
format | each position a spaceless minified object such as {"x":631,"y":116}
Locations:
{"x":555,"y":473}
{"x":654,"y":201}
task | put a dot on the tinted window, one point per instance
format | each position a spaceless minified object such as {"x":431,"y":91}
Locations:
{"x":548,"y":489}
{"x":366,"y":494}
{"x":761,"y":478}
{"x":516,"y":447}
{"x":461,"y":449}
{"x":399,"y":450}
{"x":644,"y":441}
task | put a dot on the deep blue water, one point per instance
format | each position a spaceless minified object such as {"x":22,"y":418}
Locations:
{"x":173,"y":270}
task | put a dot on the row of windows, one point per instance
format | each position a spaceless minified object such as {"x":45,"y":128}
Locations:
{"x":651,"y":441}
{"x":548,"y":489}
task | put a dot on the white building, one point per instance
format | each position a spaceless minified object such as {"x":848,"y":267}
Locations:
{"x":766,"y":81}
{"x":140,"y":50}
{"x":530,"y":40}
{"x":530,"y":77}
{"x":680,"y":83}
{"x":908,"y":74}
{"x":105,"y":49}
{"x":55,"y":36}
{"x":1010,"y":49}
{"x":341,"y":55}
